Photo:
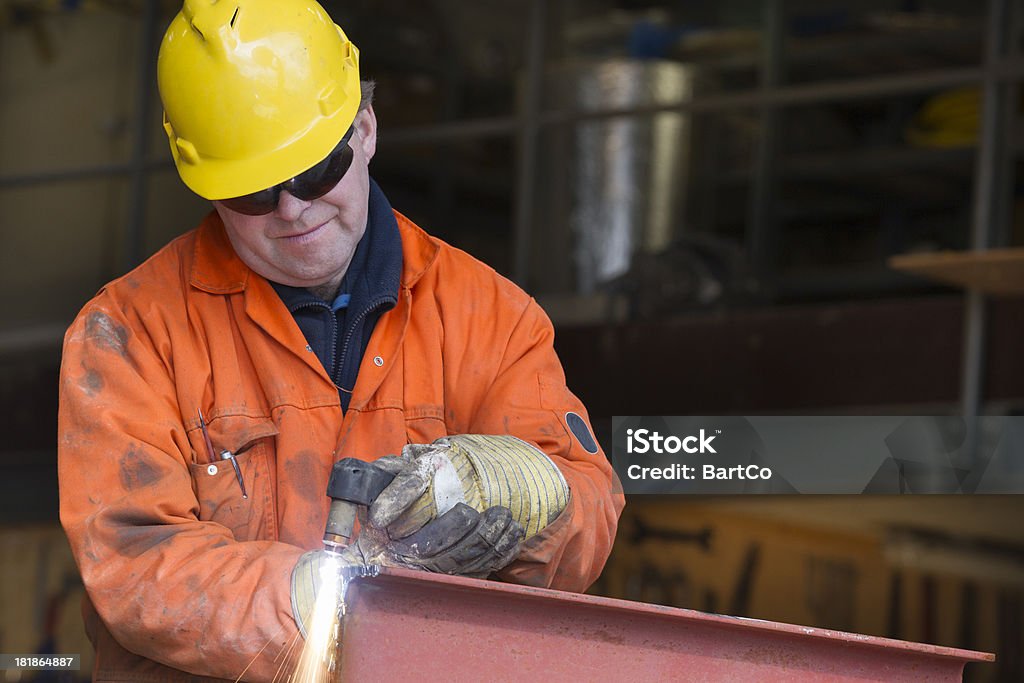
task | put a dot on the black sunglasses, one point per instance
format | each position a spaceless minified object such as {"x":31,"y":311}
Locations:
{"x":308,"y":185}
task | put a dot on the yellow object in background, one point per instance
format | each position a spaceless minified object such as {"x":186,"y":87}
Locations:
{"x":949,"y":119}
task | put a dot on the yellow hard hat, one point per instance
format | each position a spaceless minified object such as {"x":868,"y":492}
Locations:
{"x":254,"y":92}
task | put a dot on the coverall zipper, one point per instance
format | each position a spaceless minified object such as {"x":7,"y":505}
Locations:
{"x":377,"y":303}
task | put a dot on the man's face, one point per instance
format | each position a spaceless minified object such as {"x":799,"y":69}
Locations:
{"x":310,"y":243}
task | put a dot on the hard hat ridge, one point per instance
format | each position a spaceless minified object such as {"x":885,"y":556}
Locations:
{"x":214,"y":22}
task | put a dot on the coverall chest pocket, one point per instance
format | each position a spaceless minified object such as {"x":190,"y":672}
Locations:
{"x":237,"y":492}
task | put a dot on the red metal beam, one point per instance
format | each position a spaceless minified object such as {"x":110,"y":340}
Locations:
{"x":406,"y":625}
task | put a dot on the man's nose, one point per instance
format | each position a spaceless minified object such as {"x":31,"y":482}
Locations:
{"x":290,"y":207}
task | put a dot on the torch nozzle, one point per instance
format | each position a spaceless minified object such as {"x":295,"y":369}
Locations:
{"x":341,"y":520}
{"x":352,"y":483}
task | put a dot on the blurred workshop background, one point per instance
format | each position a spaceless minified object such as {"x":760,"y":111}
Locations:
{"x":727,"y":207}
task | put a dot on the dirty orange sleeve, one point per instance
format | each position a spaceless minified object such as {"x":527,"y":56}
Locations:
{"x":168,"y":586}
{"x":529,"y":398}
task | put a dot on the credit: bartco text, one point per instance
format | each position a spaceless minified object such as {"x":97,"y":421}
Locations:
{"x":645,"y":441}
{"x":706,"y":472}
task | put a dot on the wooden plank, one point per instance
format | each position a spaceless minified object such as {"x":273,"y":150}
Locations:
{"x":993,"y":271}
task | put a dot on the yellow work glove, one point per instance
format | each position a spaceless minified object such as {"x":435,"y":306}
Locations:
{"x":480,"y":471}
{"x":310,"y":574}
{"x":318,"y":566}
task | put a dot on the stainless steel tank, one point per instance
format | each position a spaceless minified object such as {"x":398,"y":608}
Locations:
{"x":609,"y":188}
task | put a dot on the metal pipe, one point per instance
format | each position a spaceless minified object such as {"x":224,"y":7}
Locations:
{"x":469,"y":129}
{"x":812,"y":93}
{"x":762,"y":238}
{"x":83,"y":173}
{"x":66,"y":175}
{"x":1007,"y":151}
{"x":973,"y":362}
{"x":991,"y":132}
{"x":19,"y":340}
{"x":988,"y":180}
{"x":529,"y":131}
{"x":921,"y":82}
{"x":145,"y":76}
{"x":502,"y":126}
{"x":445,"y":158}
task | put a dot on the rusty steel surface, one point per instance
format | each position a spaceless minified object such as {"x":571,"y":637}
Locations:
{"x":420,"y":626}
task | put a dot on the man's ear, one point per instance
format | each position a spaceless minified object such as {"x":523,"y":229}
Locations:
{"x":366,"y":131}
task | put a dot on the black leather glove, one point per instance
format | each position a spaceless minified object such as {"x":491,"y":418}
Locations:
{"x":462,"y":541}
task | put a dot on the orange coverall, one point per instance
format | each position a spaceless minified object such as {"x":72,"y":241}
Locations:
{"x":182,"y":573}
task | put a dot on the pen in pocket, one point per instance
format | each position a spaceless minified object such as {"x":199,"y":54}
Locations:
{"x":206,"y":437}
{"x":228,"y":455}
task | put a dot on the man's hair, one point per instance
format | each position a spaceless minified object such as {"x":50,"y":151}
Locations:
{"x":366,"y":93}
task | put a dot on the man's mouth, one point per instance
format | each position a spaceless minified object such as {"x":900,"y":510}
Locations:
{"x":305,"y":234}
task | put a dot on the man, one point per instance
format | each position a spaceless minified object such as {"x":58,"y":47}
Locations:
{"x":206,"y":394}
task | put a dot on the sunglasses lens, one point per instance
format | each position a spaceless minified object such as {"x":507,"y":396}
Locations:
{"x":308,"y":185}
{"x":322,"y":178}
{"x":255,"y":204}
